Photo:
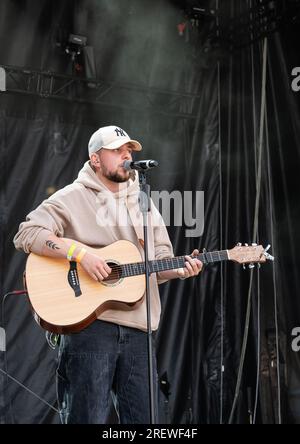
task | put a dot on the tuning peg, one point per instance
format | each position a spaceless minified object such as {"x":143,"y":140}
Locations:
{"x":258,"y":265}
{"x":244,"y":267}
{"x":246,"y":245}
{"x":267,"y":255}
{"x":238,"y":244}
{"x":254,"y":245}
{"x":251,"y":265}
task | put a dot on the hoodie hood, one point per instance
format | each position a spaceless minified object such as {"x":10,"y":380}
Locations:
{"x":118,"y":204}
{"x":88,"y":178}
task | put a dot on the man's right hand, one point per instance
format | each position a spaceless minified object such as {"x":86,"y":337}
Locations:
{"x":95,"y":266}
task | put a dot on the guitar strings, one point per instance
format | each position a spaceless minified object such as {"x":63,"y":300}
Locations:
{"x":137,"y":268}
{"x":120,"y":271}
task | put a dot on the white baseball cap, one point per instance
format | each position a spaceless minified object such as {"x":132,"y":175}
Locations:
{"x":110,"y":138}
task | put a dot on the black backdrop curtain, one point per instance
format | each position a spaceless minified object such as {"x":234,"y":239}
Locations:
{"x":213,"y":148}
{"x":278,"y":217}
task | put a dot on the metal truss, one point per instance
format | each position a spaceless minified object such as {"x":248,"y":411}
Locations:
{"x":236,"y":30}
{"x":222,"y":31}
{"x":262,"y":19}
{"x":50,"y":85}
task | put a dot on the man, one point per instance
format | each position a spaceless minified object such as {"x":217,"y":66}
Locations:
{"x":97,"y":209}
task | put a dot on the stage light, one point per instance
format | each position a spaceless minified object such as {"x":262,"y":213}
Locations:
{"x":79,"y":40}
{"x":75,"y":45}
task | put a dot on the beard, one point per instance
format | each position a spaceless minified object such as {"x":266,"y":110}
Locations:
{"x":115,"y":176}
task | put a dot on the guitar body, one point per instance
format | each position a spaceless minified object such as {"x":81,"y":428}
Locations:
{"x":54,"y":303}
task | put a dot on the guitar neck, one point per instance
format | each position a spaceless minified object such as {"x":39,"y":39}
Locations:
{"x":156,"y":266}
{"x":179,"y":261}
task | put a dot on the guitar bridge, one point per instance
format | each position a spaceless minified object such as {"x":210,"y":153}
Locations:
{"x":73,"y":279}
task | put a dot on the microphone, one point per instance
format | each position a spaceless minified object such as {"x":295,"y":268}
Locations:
{"x":140,"y":165}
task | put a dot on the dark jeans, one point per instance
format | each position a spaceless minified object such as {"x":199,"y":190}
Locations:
{"x":102,"y":360}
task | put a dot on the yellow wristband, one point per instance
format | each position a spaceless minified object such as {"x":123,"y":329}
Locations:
{"x":71,"y":251}
{"x":80,"y":255}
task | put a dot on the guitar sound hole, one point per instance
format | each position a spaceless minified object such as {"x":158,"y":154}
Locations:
{"x":115,"y":275}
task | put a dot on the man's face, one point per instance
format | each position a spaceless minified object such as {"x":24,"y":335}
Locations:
{"x":111,"y":162}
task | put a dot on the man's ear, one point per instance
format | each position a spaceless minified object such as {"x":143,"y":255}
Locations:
{"x":95,"y":160}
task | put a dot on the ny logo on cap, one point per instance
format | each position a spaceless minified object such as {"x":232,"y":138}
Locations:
{"x":120,"y":132}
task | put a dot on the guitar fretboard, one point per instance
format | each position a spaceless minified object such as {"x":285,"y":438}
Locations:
{"x":155,"y":266}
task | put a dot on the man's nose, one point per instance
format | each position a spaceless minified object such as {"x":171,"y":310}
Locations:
{"x":127,"y":155}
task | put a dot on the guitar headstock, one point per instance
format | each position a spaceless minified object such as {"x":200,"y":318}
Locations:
{"x":249,"y":254}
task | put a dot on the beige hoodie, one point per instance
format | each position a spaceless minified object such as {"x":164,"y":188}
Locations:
{"x":88,"y":212}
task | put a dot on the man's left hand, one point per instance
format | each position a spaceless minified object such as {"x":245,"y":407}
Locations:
{"x":192,"y":266}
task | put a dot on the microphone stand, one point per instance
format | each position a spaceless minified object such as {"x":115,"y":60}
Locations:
{"x":144,"y":203}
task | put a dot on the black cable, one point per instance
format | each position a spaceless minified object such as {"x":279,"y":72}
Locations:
{"x":5,"y":353}
{"x":5,"y":371}
{"x":273,"y":270}
{"x":222,"y":369}
{"x":222,"y":305}
{"x":258,"y":349}
{"x":243,"y":352}
{"x":255,"y":230}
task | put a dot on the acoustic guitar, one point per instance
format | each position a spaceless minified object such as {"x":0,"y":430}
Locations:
{"x":65,"y":299}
